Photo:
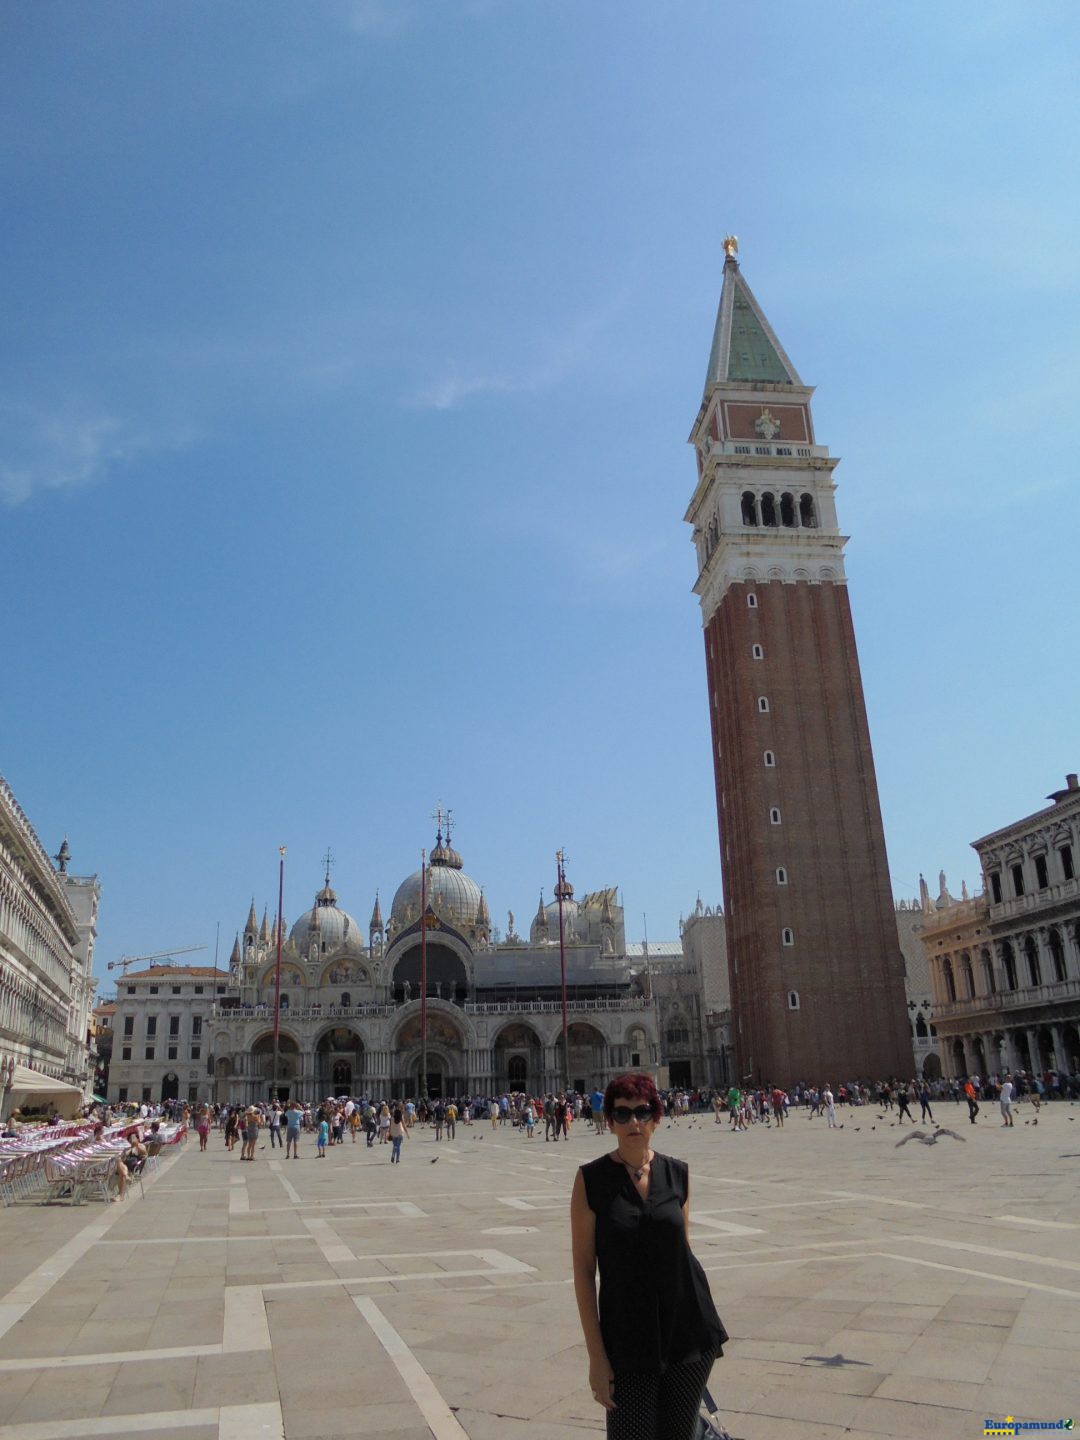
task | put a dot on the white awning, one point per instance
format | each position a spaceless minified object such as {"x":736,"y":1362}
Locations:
{"x":31,"y":1087}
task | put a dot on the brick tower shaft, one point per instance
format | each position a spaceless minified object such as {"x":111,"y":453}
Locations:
{"x":817,"y":975}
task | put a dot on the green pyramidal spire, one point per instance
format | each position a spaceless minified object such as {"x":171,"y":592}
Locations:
{"x":745,"y":348}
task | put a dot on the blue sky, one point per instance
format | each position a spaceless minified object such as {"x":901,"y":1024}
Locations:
{"x":349,"y":354}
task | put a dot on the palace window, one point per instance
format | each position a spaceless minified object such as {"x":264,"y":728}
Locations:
{"x":1008,"y":960}
{"x":176,"y":989}
{"x":950,"y":981}
{"x":149,"y":1052}
{"x":125,"y":1053}
{"x":196,"y":1025}
{"x":1067,"y":862}
{"x":1018,"y":880}
{"x":121,"y":1095}
{"x":151,"y":1025}
{"x":172,"y":1052}
{"x":174,"y":1024}
{"x":1031,"y":954}
{"x":1057,"y":953}
{"x":995,"y":887}
{"x":1042,"y":878}
{"x":196,"y":1052}
{"x":129,"y":1025}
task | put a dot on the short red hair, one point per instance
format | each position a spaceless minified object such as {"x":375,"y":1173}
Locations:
{"x":638,"y":1089}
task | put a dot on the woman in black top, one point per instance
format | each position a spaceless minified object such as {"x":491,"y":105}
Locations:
{"x":654,"y":1336}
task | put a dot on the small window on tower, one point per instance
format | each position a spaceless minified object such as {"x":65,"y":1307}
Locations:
{"x":758,"y":652}
{"x":774,"y":816}
{"x":751,"y":602}
{"x":763,"y":704}
{"x":781,"y":875}
{"x":793,"y":1000}
{"x":787,"y":935}
{"x":770,"y":760}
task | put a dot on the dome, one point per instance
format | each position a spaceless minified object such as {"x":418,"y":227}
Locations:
{"x":453,"y":895}
{"x":336,"y":928}
{"x":569,"y":914}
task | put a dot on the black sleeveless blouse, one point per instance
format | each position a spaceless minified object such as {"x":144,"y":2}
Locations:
{"x":655,"y":1305}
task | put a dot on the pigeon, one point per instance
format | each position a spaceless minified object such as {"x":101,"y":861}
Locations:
{"x":926,"y":1139}
{"x":436,"y":1160}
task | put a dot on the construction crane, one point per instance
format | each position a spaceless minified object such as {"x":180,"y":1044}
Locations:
{"x":126,"y":960}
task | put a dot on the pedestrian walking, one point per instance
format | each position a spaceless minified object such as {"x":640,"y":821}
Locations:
{"x":294,"y":1118}
{"x":398,"y":1132}
{"x":972,"y":1099}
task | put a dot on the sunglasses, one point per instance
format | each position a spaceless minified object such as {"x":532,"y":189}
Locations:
{"x":623,"y":1114}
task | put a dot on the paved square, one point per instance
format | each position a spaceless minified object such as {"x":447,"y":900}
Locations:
{"x":869,"y":1290}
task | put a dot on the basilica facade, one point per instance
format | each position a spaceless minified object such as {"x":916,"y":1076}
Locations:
{"x":350,"y":1007}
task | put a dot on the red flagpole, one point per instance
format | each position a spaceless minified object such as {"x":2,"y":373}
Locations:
{"x":423,"y":976}
{"x":559,"y":887}
{"x":277,"y":974}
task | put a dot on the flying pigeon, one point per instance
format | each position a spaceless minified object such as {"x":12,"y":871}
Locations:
{"x":926,"y":1139}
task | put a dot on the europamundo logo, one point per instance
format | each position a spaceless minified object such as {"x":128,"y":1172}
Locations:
{"x":1009,"y":1426}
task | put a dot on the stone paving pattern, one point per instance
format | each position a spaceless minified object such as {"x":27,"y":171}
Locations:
{"x":869,"y":1290}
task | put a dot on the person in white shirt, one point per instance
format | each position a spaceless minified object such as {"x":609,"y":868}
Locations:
{"x":1006,"y":1098}
{"x":829,"y":1103}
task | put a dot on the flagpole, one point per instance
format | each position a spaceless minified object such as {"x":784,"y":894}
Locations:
{"x":277,"y":976}
{"x":423,"y":976}
{"x":560,"y":885}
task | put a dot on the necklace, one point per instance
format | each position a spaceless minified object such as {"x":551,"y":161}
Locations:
{"x":636,"y":1170}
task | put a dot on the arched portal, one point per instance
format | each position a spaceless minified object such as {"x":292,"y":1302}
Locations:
{"x":170,"y":1087}
{"x":931,"y":1068}
{"x":586,"y":1057}
{"x":446,"y":1067}
{"x":519,"y":1059}
{"x":446,"y":976}
{"x":288,"y":1064}
{"x":339,"y":1062}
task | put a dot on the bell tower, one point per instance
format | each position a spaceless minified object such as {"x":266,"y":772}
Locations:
{"x":816,"y":971}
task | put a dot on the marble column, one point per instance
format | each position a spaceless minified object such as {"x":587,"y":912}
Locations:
{"x":1060,"y":1059}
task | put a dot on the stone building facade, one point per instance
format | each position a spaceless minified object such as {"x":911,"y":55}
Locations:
{"x":160,"y":1033}
{"x":1005,"y":965}
{"x":351,"y":1006}
{"x":817,"y":977}
{"x":47,"y":928}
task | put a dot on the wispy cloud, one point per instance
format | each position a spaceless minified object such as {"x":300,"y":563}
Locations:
{"x":554,"y":359}
{"x":378,"y":19}
{"x":64,"y":448}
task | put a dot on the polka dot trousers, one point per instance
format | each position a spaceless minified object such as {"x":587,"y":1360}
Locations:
{"x":659,"y":1407}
